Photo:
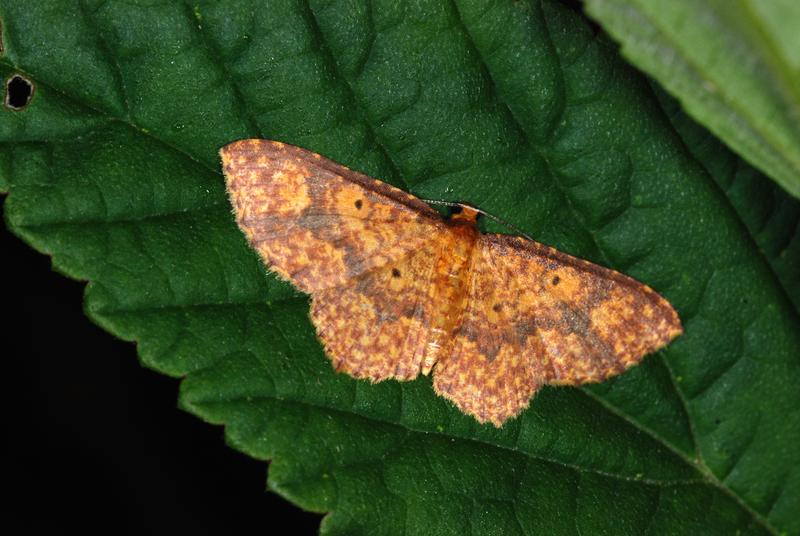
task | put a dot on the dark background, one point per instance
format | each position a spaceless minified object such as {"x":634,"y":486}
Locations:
{"x":97,"y":442}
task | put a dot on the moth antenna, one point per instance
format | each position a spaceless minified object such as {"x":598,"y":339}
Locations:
{"x":445,"y":203}
{"x":483,"y":212}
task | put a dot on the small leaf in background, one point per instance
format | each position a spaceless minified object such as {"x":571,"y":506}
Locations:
{"x":519,"y":108}
{"x":734,"y":66}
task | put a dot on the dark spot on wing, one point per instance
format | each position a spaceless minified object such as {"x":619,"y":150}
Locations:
{"x":358,"y":204}
{"x":395,"y":272}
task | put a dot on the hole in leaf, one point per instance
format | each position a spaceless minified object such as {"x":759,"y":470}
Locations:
{"x":19,"y":91}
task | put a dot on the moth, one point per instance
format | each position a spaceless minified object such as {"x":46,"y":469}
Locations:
{"x":398,"y":290}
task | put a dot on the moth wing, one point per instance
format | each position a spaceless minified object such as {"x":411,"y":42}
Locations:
{"x":316,"y":223}
{"x":377,"y":328}
{"x":535,"y":315}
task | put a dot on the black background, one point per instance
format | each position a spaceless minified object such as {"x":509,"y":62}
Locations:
{"x":97,"y":442}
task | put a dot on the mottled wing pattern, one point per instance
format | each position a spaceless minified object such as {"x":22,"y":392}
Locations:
{"x":536,"y":316}
{"x":377,"y":328}
{"x":590,"y":322}
{"x":317,"y":223}
{"x":492,"y":371}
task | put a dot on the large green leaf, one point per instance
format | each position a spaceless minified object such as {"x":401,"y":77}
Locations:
{"x":734,"y":65}
{"x":515,"y":107}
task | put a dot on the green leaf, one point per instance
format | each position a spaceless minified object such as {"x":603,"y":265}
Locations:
{"x":771,"y":215}
{"x":735,"y":67}
{"x":517,"y":108}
